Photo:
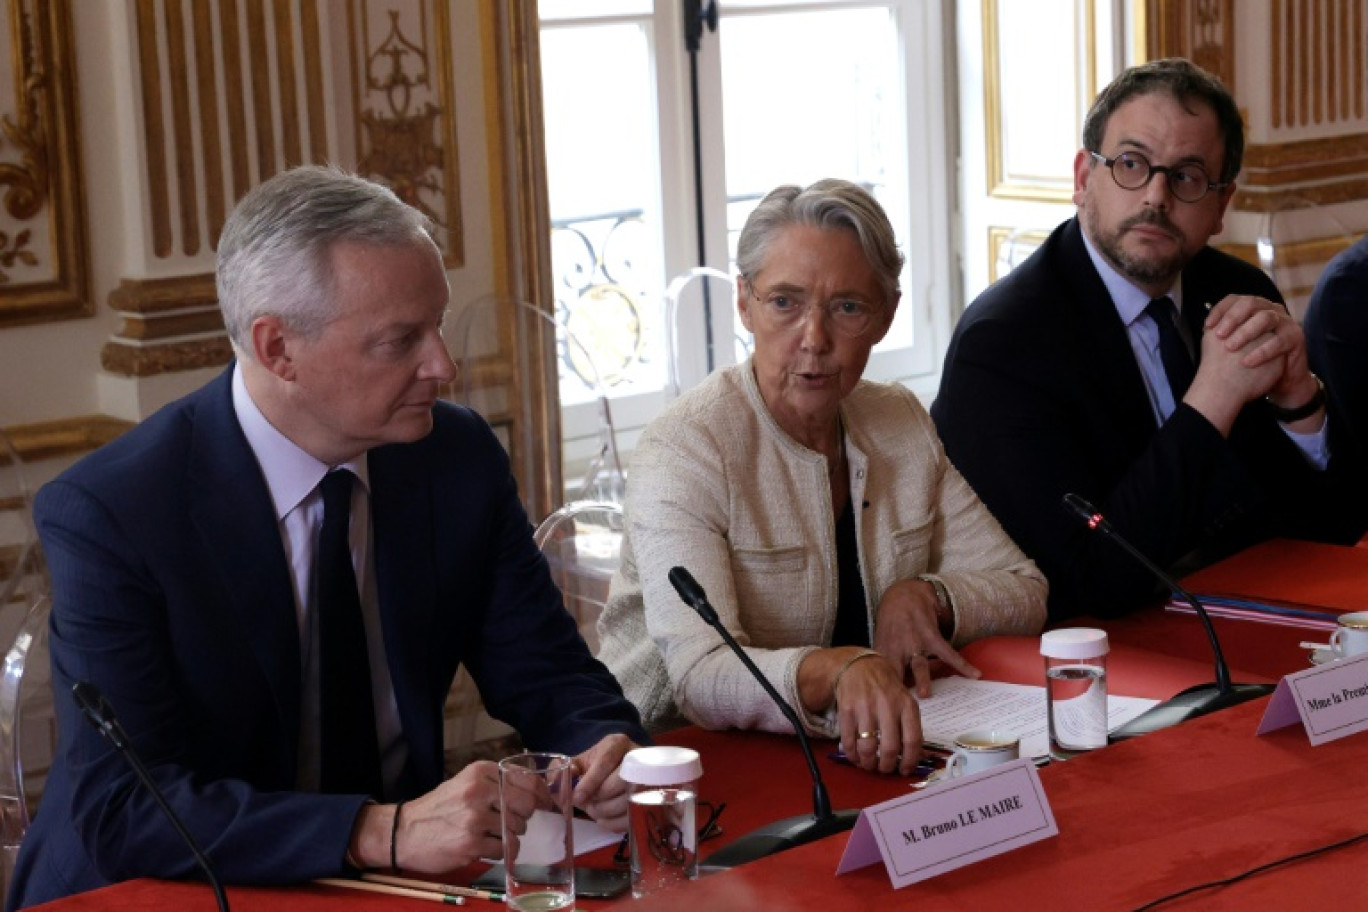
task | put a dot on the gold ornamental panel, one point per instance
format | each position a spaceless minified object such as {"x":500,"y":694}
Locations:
{"x":43,"y":269}
{"x":1030,"y":137}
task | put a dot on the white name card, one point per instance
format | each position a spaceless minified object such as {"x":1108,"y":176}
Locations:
{"x":1331,"y":700}
{"x":953,"y":823}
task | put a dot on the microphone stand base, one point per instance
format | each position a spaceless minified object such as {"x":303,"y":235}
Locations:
{"x":776,"y":837}
{"x":1189,"y":704}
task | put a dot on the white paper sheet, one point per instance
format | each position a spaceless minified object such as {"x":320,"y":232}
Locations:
{"x":958,"y":705}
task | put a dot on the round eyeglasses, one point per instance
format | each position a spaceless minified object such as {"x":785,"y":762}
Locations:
{"x":788,"y":308}
{"x":1132,"y":171}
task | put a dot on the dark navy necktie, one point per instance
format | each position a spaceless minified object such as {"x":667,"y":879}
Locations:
{"x":1173,"y":351}
{"x":348,"y":748}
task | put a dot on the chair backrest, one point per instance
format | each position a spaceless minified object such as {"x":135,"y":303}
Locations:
{"x":681,"y":377}
{"x":582,"y":542}
{"x":25,"y":675}
{"x":1297,"y":238}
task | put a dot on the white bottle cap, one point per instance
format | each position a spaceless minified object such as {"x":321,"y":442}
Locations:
{"x":664,"y":765}
{"x":1073,"y":643}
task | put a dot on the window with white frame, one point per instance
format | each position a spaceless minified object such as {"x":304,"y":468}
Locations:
{"x":788,"y":91}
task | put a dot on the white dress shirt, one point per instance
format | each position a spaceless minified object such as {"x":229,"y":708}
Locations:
{"x":292,"y":476}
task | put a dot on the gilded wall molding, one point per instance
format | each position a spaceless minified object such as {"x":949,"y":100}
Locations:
{"x":65,"y":437}
{"x":1046,"y":188}
{"x":43,"y":253}
{"x":148,"y":360}
{"x":1317,"y":72}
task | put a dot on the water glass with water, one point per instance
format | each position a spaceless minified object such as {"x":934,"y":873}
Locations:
{"x":1075,"y":689}
{"x":539,"y":864}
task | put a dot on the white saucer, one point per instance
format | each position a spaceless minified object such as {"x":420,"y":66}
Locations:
{"x":1321,"y":656}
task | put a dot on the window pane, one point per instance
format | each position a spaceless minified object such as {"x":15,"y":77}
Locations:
{"x":837,"y":116}
{"x":602,"y":163}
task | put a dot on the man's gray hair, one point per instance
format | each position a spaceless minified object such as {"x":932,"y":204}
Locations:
{"x":273,"y":255}
{"x":827,"y":204}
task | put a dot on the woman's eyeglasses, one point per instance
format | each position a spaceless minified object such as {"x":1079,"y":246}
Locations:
{"x":786,"y":308}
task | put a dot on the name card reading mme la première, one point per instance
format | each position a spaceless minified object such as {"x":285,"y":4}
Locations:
{"x":1331,"y":700}
{"x":953,"y":823}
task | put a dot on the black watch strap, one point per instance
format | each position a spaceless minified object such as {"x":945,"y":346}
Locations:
{"x":1288,"y":415}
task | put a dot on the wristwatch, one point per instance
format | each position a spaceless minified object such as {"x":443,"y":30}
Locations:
{"x":1288,"y":415}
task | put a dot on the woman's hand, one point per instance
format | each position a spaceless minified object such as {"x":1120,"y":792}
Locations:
{"x":908,"y":633}
{"x":878,"y":718}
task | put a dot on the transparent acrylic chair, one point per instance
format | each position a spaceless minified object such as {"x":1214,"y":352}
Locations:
{"x":1296,"y":240}
{"x":678,"y":379}
{"x":24,"y":676}
{"x":476,"y":331}
{"x":582,"y":542}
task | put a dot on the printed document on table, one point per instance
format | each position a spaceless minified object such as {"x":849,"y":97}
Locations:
{"x":958,"y":705}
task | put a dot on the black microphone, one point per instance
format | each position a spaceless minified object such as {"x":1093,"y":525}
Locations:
{"x":101,"y":716}
{"x":1195,"y":701}
{"x":792,"y":831}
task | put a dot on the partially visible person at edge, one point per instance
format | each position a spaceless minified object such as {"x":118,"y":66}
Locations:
{"x":185,"y":585}
{"x":1128,"y":362}
{"x":1336,"y":327}
{"x":816,"y":509}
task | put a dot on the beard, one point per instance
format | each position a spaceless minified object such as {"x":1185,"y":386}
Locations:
{"x":1142,"y":269}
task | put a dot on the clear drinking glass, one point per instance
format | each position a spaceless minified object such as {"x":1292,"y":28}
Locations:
{"x":539,"y":865}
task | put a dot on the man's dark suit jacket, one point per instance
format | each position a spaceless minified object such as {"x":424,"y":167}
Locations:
{"x":1041,"y":396}
{"x":172,"y":594}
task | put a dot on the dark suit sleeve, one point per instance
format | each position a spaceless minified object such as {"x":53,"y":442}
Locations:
{"x":109,"y":627}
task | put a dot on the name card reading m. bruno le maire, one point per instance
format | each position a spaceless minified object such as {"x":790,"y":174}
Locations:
{"x":1331,"y":700}
{"x":953,"y":823}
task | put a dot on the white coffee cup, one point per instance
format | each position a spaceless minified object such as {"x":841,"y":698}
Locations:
{"x":1351,"y":637}
{"x":980,"y":749}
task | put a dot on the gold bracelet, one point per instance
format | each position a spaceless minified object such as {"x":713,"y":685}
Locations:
{"x":836,"y":681}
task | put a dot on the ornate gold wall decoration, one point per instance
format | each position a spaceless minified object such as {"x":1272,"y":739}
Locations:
{"x":42,"y":227}
{"x":1203,"y":31}
{"x":232,"y":93}
{"x":403,"y":98}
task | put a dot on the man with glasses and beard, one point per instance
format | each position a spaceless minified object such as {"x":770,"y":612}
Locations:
{"x":1128,"y":362}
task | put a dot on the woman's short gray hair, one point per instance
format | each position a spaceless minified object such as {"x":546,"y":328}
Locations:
{"x":273,"y":252}
{"x":827,"y":204}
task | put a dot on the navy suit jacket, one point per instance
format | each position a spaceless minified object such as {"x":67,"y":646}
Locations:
{"x":172,"y":594}
{"x":1041,"y":395}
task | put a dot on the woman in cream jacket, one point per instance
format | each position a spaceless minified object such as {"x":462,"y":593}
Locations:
{"x":817,"y":510}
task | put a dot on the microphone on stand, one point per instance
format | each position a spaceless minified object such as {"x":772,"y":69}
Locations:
{"x":792,"y":831}
{"x":100,"y":715}
{"x":1195,"y":701}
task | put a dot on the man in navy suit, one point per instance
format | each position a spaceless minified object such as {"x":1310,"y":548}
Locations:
{"x":1128,"y":362}
{"x":184,"y":561}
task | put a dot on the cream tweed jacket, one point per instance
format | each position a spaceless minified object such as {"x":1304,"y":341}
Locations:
{"x":717,"y":487}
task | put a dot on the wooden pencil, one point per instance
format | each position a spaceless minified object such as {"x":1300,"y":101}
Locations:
{"x":391,"y":890}
{"x":428,"y":885}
